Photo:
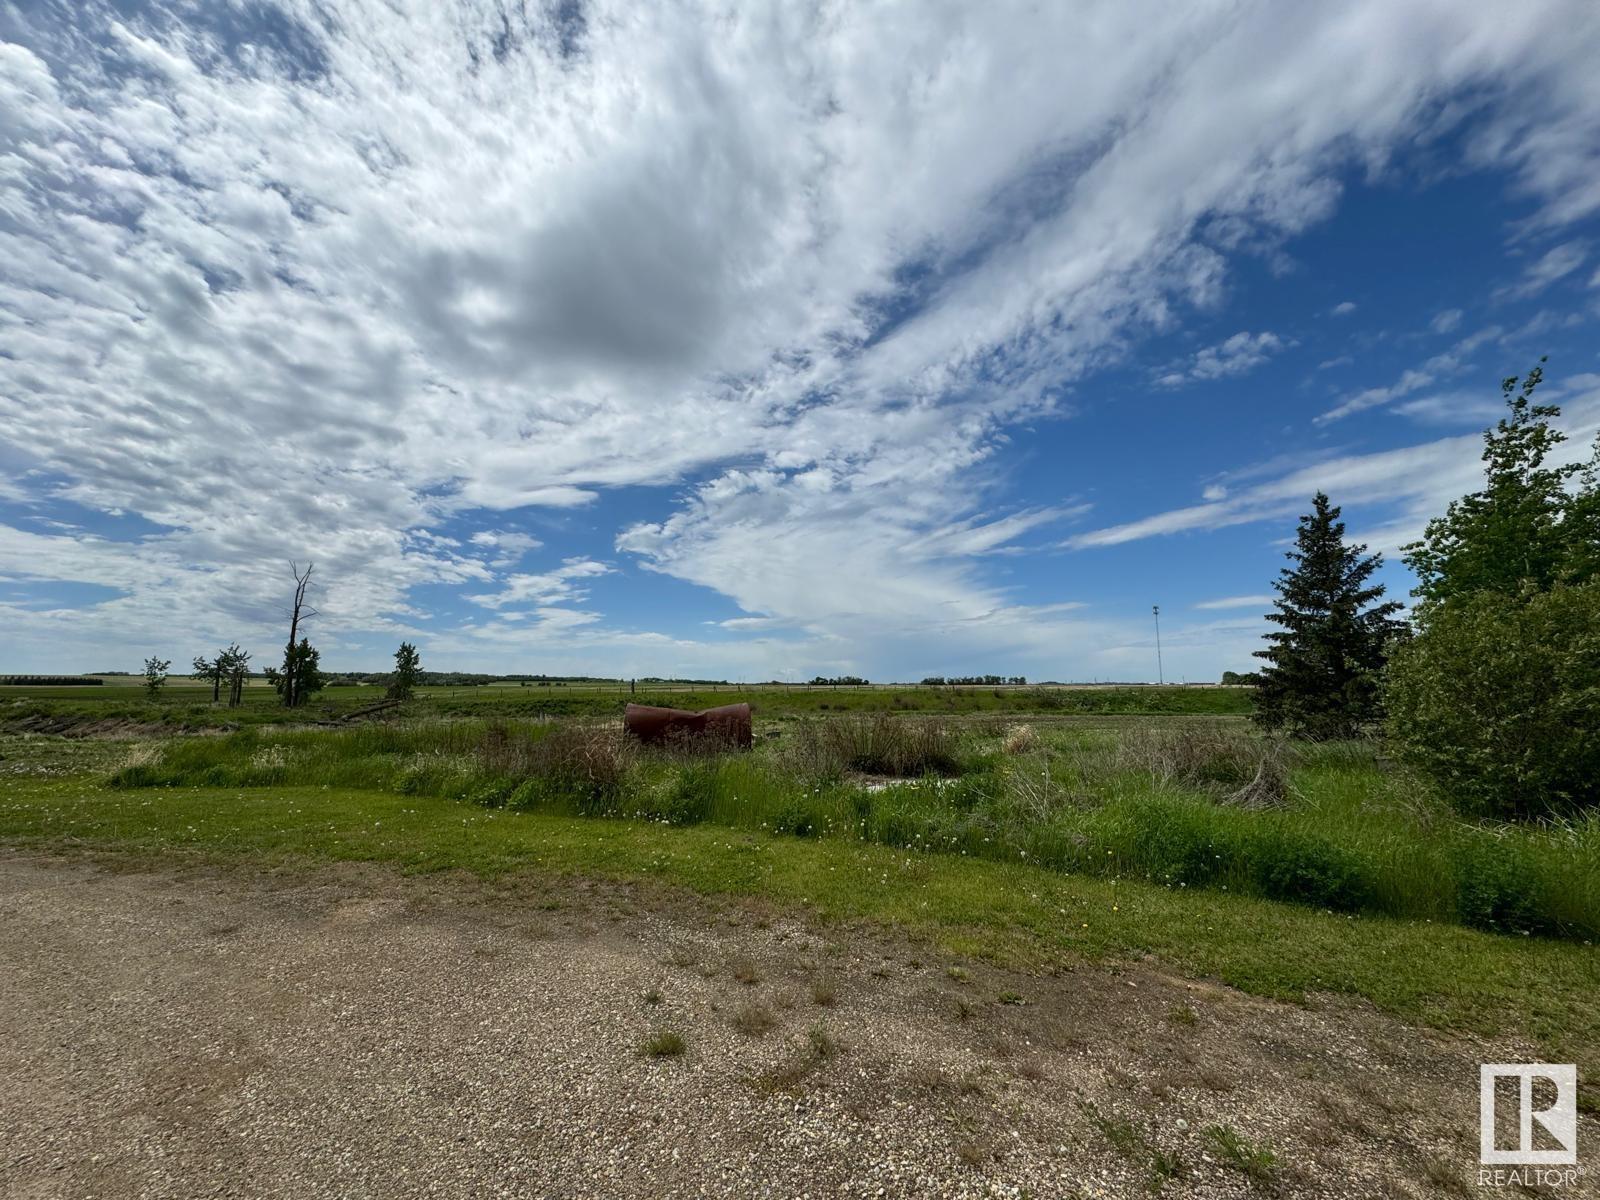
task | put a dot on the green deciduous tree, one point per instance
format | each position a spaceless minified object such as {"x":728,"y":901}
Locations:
{"x":1324,"y":664}
{"x":1497,"y":701}
{"x":407,"y":672}
{"x":155,"y":675}
{"x":301,"y":675}
{"x":1528,"y":527}
{"x":233,"y":667}
{"x":209,"y":670}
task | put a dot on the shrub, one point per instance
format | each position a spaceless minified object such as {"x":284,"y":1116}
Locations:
{"x":1497,"y":701}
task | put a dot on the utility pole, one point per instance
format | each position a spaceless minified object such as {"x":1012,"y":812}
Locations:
{"x":1161,"y":676}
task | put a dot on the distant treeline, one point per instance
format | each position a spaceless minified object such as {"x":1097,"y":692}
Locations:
{"x":839,"y":681}
{"x":472,"y":679}
{"x":972,"y":680}
{"x":50,"y":681}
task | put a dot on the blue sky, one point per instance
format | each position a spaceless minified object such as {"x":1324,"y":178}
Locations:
{"x":761,"y":341}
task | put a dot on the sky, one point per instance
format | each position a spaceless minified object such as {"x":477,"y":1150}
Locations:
{"x":762,"y":341}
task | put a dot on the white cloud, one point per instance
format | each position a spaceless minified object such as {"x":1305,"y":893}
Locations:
{"x":1239,"y":354}
{"x":1262,"y":601}
{"x":509,"y":547}
{"x":1556,"y":263}
{"x":1450,"y":363}
{"x":1421,"y":479}
{"x":315,"y":293}
{"x":1452,"y":408}
{"x":1344,"y":308}
{"x":552,"y":587}
{"x":1446,"y":321}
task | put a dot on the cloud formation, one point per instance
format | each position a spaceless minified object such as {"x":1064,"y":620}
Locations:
{"x":317,"y":278}
{"x":1421,"y":479}
{"x":1237,"y":355}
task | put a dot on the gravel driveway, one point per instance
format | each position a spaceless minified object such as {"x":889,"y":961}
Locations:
{"x":228,"y":1031}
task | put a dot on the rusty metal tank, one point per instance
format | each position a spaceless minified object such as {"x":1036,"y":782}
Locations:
{"x":731,"y":723}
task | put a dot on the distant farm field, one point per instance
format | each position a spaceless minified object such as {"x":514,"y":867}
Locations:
{"x":186,"y":704}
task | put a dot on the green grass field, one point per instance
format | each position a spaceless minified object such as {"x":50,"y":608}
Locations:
{"x":1181,"y":802}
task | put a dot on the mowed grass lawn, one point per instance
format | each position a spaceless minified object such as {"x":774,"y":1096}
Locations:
{"x":1430,"y":973}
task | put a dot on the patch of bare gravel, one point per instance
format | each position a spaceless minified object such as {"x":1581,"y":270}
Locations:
{"x":350,"y":1032}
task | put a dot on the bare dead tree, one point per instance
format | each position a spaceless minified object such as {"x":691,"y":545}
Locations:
{"x":297,"y":612}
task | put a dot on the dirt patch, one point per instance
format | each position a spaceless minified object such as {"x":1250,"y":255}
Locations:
{"x":352,"y":1032}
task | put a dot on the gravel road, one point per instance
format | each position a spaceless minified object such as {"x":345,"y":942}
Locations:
{"x":182,"y":1031}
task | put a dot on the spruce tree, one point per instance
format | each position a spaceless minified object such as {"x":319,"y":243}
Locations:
{"x":155,"y":675}
{"x":407,"y":671}
{"x":1324,"y":665}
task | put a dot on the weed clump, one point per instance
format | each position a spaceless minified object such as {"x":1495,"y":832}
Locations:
{"x":1210,"y":758}
{"x":1257,"y":1162}
{"x":584,"y":766}
{"x":663,"y":1043}
{"x":876,"y":744}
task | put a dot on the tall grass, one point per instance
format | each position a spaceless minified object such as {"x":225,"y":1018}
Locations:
{"x":1196,"y":807}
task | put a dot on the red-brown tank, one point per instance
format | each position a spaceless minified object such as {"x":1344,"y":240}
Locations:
{"x":730,"y":723}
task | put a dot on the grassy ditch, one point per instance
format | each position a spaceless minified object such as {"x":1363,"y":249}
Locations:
{"x":1198,"y":806}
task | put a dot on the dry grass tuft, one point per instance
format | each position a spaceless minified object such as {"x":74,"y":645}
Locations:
{"x":1019,"y":739}
{"x":1235,"y":765}
{"x":754,"y":1020}
{"x":822,"y":1042}
{"x":973,"y":1152}
{"x":1032,"y":1069}
{"x":820,"y":1048}
{"x":1445,"y":1178}
{"x":588,"y":765}
{"x":874,"y":744}
{"x":1343,"y":1117}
